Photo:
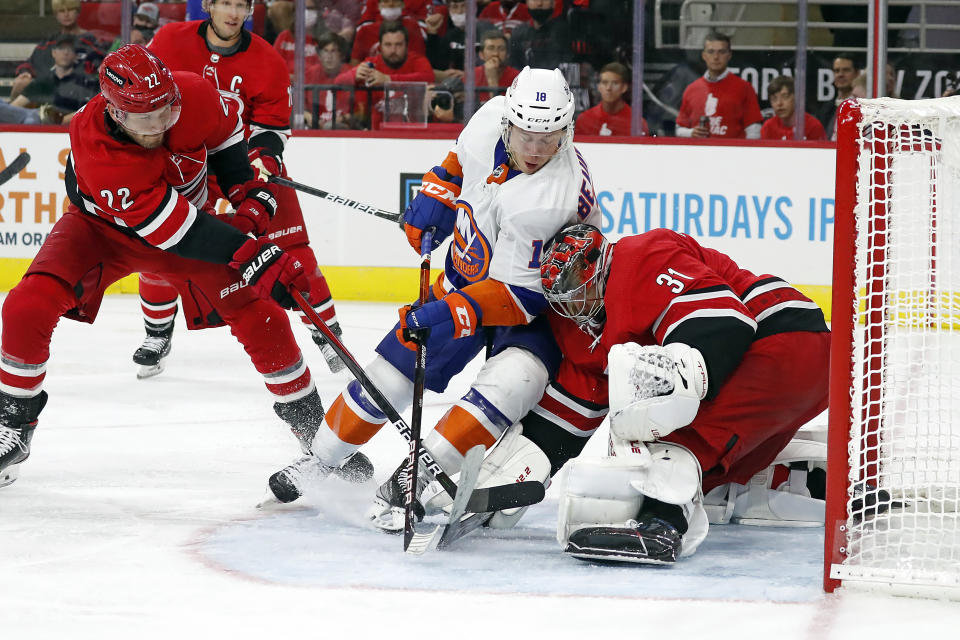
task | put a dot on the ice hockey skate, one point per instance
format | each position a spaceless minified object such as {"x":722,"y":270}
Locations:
{"x":20,"y":416}
{"x":154,"y":350}
{"x":290,"y":483}
{"x":387,"y":511}
{"x":334,"y":362}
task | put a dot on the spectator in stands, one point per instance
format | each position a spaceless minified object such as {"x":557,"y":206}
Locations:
{"x":858,"y":88}
{"x":339,"y":16}
{"x":494,"y":72}
{"x":89,"y":50}
{"x":719,"y":103}
{"x":62,"y":92}
{"x":780,"y":126}
{"x":416,"y":9}
{"x":844,"y":72}
{"x":368,"y":34}
{"x":506,"y":15}
{"x":286,"y":44}
{"x":612,"y":117}
{"x":145,"y":22}
{"x":395,"y":61}
{"x":544,"y":44}
{"x":279,"y":19}
{"x":332,"y":53}
{"x":445,"y":37}
{"x":10,"y":114}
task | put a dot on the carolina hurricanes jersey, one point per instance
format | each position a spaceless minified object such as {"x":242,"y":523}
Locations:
{"x":730,"y":103}
{"x":597,"y":122}
{"x":152,"y":193}
{"x":255,"y":76}
{"x":665,"y":287}
{"x":774,"y":129}
{"x":504,"y":216}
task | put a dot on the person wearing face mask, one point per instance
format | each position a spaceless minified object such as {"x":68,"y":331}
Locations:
{"x":544,"y":43}
{"x":367,"y":42}
{"x":285,"y":44}
{"x":506,"y":15}
{"x":445,"y":38}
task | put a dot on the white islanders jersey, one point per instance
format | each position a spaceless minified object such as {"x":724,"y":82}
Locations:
{"x":505,"y":216}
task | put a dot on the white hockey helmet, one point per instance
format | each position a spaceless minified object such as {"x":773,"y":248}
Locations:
{"x":539,"y":100}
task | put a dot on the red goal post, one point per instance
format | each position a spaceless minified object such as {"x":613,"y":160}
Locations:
{"x":893,"y":488}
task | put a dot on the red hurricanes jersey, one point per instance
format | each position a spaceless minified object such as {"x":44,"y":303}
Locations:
{"x":665,"y":287}
{"x":774,"y":129}
{"x":730,"y":103}
{"x":255,"y":76}
{"x":366,"y":42}
{"x":153,"y":193}
{"x":597,"y":122}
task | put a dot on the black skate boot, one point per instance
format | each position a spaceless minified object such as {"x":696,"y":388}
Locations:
{"x":655,"y":537}
{"x":289,"y":483}
{"x":387,"y":511}
{"x":154,"y":350}
{"x":304,"y":417}
{"x":333,"y":360}
{"x":18,"y":420}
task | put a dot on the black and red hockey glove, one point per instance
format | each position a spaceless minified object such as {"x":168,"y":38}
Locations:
{"x":256,"y":203}
{"x":270,"y":272}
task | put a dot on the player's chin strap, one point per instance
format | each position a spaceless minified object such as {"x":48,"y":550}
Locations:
{"x":789,"y":504}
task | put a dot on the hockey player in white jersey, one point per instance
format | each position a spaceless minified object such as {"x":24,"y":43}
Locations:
{"x":511,"y":181}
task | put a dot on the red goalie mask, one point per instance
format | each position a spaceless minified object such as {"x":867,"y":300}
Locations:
{"x":573,"y":274}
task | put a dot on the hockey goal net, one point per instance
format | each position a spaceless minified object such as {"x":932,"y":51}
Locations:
{"x":893,"y":509}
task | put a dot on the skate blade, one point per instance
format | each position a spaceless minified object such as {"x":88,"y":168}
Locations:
{"x":148,"y":371}
{"x":9,"y":475}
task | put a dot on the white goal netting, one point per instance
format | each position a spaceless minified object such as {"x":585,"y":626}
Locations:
{"x":903,"y":506}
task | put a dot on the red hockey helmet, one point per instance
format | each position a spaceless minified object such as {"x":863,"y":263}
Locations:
{"x":141,"y":90}
{"x":573,"y":273}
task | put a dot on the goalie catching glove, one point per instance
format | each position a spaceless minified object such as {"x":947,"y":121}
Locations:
{"x":255,"y":203}
{"x":654,"y":390}
{"x":270,"y":272}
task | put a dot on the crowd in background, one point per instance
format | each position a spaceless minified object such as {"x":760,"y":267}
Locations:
{"x":378,"y":63}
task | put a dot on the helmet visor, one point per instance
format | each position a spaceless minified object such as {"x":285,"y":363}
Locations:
{"x":534,"y":144}
{"x":151,"y":122}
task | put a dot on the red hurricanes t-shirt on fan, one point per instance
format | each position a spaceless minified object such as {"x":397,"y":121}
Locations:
{"x":730,"y":103}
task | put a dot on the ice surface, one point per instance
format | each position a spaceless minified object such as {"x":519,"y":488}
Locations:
{"x":134,"y":517}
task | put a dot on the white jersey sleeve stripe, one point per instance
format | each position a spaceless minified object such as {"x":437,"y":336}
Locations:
{"x":693,"y":297}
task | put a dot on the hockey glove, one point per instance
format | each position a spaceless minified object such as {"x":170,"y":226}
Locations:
{"x":434,"y":206}
{"x":456,"y":316}
{"x":270,"y":272}
{"x":266,"y":162}
{"x":256,"y":204}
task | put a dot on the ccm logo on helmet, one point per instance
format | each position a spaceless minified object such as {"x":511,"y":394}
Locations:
{"x":116,"y":79}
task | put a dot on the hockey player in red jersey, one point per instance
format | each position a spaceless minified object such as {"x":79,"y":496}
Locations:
{"x":136,"y":180}
{"x":707,"y":371}
{"x":245,"y":69}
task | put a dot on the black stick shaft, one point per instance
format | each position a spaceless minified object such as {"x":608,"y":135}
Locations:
{"x":432,"y":466}
{"x":419,"y":377}
{"x":331,"y":197}
{"x":15,"y":167}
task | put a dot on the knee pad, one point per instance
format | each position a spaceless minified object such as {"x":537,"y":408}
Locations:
{"x":512,"y":381}
{"x":395,"y":387}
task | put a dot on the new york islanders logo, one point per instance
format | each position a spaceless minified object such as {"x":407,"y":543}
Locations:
{"x":471,"y":251}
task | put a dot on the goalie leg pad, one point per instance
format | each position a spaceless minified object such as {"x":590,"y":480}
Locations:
{"x":513,"y":458}
{"x":654,"y":390}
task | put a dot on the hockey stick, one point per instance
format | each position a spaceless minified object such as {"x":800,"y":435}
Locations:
{"x":326,"y":195}
{"x":507,"y":496}
{"x":15,"y":167}
{"x":419,"y":375}
{"x":469,"y":474}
